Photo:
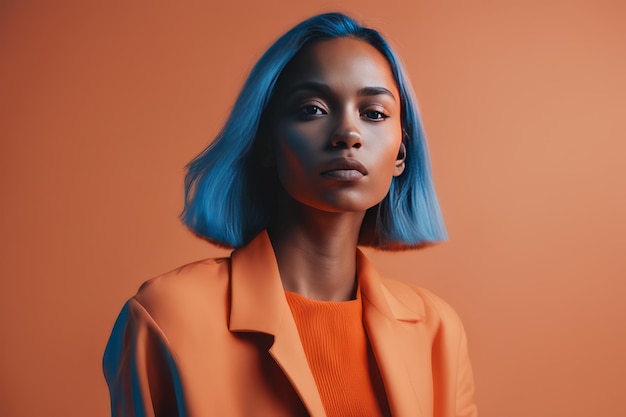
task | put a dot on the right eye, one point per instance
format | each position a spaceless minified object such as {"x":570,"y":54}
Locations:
{"x":311,"y":110}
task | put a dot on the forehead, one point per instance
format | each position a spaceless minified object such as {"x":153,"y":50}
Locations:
{"x":341,"y":63}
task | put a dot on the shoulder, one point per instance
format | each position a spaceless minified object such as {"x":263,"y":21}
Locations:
{"x":186,"y":290}
{"x":185,"y":278}
{"x":435,"y":311}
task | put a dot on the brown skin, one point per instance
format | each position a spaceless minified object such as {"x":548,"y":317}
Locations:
{"x":335,"y":131}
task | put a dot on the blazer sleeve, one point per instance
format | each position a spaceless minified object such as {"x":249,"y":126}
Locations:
{"x":465,"y":405}
{"x":139,"y":368}
{"x":452,"y":372}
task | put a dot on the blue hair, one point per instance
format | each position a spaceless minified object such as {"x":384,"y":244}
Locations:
{"x":225,"y":199}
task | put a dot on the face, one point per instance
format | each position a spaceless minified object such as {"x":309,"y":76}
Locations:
{"x":335,"y":126}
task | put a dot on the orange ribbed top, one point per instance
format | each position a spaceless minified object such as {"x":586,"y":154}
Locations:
{"x":339,"y":356}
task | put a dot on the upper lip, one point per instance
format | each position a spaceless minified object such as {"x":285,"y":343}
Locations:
{"x":344,"y":164}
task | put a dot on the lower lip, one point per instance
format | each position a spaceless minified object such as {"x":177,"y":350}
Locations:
{"x":344,"y":175}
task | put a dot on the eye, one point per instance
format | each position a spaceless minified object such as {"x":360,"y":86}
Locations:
{"x":374,"y":115}
{"x":311,"y":110}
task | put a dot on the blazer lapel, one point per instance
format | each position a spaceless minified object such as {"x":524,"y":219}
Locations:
{"x":399,"y":341}
{"x":258,"y":304}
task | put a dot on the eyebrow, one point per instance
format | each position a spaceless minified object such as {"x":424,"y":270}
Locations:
{"x":324,"y":88}
{"x":375,"y":91}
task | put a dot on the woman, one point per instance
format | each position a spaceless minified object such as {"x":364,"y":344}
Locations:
{"x":323,"y":151}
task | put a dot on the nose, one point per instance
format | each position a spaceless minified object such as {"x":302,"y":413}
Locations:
{"x":347,"y":135}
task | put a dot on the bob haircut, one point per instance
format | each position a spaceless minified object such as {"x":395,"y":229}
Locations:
{"x":228,"y":201}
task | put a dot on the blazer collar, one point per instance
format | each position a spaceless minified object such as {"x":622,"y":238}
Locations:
{"x":258,"y":304}
{"x":392,"y":301}
{"x":392,"y":314}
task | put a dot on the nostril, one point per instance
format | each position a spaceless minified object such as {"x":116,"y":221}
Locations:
{"x":346,"y":140}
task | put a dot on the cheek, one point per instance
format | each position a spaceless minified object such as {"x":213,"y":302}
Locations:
{"x":387,"y":150}
{"x":292,"y":152}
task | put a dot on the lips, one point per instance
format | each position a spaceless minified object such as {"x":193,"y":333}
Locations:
{"x":344,"y":169}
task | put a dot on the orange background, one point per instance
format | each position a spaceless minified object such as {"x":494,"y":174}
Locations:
{"x":103,"y":103}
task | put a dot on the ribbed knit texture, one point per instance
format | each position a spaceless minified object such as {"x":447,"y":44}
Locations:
{"x":339,"y":356}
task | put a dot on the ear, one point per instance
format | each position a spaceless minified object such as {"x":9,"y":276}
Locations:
{"x":400,"y":160}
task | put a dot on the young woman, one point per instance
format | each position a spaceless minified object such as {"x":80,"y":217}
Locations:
{"x":323,"y":151}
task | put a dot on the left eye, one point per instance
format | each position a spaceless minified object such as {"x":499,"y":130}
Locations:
{"x":374,"y":115}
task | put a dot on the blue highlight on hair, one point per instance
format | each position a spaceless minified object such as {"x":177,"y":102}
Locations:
{"x":228,"y":203}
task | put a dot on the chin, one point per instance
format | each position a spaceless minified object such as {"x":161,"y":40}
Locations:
{"x":343,"y":200}
{"x":345,"y":205}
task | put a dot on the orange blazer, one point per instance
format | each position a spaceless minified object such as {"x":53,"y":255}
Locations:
{"x":217,"y":338}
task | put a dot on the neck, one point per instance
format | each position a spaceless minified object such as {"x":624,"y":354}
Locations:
{"x":316,"y":252}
